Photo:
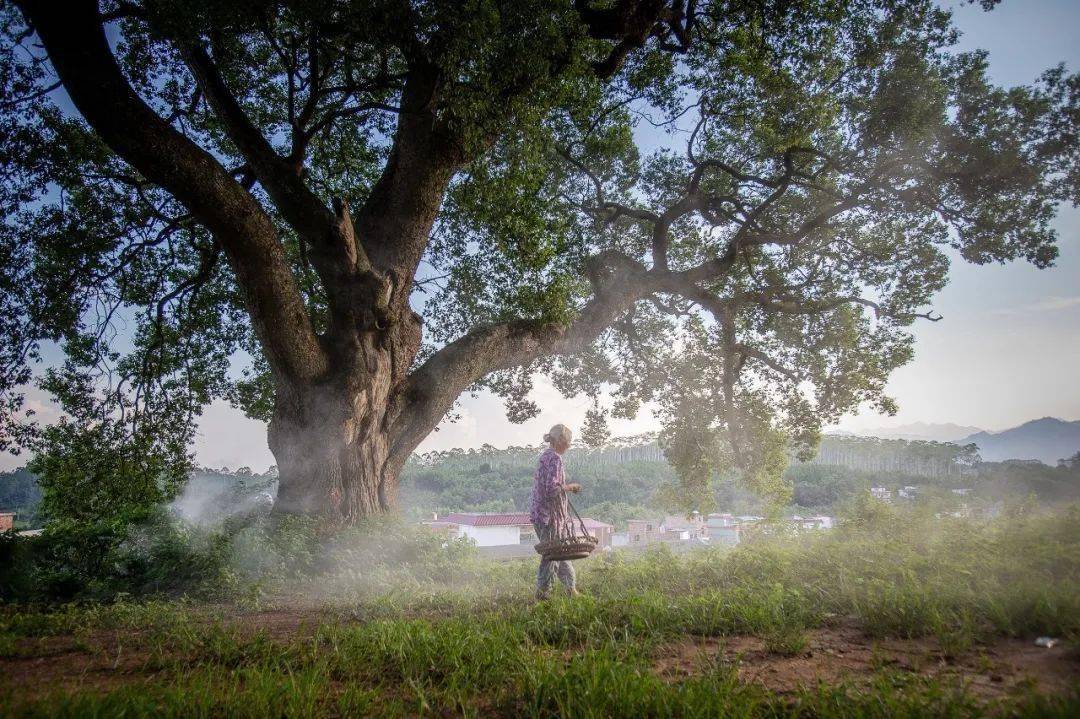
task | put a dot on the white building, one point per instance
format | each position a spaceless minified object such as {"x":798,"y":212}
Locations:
{"x":882,"y":493}
{"x":683,"y":529}
{"x":507,"y":528}
{"x":817,"y":522}
{"x":487,"y":530}
{"x":676,"y":534}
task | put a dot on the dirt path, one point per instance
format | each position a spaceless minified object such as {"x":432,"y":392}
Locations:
{"x":841,"y":654}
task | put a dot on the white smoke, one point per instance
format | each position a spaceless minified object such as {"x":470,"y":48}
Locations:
{"x":210,"y":497}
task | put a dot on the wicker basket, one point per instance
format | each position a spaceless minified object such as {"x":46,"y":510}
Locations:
{"x":566,"y":548}
{"x":573,"y":545}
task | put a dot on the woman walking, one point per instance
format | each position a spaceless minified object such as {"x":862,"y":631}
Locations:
{"x":548,"y":509}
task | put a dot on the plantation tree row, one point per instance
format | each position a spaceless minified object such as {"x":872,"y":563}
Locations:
{"x":915,"y":458}
{"x":387,"y":203}
{"x":643,"y":448}
{"x":648,"y":450}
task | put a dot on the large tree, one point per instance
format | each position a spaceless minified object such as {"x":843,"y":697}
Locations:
{"x":388,"y":203}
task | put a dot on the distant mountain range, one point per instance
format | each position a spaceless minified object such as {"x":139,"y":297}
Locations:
{"x":925,"y":431}
{"x":1048,"y":440}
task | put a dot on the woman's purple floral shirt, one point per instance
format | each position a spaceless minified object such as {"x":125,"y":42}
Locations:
{"x":547,"y":488}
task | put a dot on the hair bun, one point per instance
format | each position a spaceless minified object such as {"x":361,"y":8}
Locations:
{"x":559,"y":433}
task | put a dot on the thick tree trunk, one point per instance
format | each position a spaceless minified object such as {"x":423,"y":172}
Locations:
{"x":332,"y":447}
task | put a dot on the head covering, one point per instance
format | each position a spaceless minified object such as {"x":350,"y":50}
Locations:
{"x":557,"y":433}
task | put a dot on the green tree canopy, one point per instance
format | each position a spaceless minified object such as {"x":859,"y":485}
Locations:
{"x":387,"y":203}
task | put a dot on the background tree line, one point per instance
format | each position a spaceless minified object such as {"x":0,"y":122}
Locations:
{"x":623,"y":479}
{"x":631,"y":477}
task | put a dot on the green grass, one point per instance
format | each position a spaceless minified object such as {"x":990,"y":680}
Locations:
{"x":416,"y":667}
{"x":391,"y":641}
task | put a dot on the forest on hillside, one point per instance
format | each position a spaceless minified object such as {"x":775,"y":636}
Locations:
{"x":630,"y":478}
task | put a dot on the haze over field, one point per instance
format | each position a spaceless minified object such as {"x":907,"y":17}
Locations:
{"x":947,"y":432}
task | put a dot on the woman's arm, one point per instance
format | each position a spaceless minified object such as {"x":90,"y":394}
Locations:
{"x":561,"y":483}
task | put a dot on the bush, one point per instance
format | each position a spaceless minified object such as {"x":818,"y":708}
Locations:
{"x":154,"y":553}
{"x":94,"y":471}
{"x":140,"y":554}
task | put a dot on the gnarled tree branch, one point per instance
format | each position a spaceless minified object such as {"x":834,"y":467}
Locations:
{"x":335,"y":254}
{"x":76,"y":44}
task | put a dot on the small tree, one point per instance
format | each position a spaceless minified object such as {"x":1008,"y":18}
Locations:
{"x":100,"y":472}
{"x":386,"y":203}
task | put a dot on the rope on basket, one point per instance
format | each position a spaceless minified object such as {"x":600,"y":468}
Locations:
{"x":581,"y":522}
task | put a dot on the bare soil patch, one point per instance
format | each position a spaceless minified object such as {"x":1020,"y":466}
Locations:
{"x":845,"y":654}
{"x":44,"y":665}
{"x":103,"y":660}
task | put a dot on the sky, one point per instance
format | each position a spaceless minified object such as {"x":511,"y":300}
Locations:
{"x":1007,"y":350}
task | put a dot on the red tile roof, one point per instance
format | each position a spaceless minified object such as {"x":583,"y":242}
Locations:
{"x":507,"y":519}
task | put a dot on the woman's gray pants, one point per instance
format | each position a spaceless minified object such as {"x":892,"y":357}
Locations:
{"x":548,"y":568}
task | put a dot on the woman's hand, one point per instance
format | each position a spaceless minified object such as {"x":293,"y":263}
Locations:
{"x":572,"y":488}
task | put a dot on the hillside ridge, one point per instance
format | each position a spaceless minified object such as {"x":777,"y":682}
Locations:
{"x":1048,"y":439}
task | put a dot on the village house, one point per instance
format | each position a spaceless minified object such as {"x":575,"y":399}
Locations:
{"x":504,"y":529}
{"x":642,"y":531}
{"x":719,"y":529}
{"x":818,"y":522}
{"x":683,"y":529}
{"x":722,"y":529}
{"x":748,"y":519}
{"x":882,"y":493}
{"x":716,"y":529}
{"x":727,"y":536}
{"x":719,"y":521}
{"x":7,"y":521}
{"x":601,"y":530}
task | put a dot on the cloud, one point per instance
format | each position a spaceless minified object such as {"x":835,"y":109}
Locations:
{"x":228,"y":438}
{"x":1049,"y":304}
{"x":462,"y":432}
{"x":1054,"y":303}
{"x":483,"y":420}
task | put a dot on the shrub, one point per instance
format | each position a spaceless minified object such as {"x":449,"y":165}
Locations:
{"x":95,"y":471}
{"x":140,"y":554}
{"x":152,"y":553}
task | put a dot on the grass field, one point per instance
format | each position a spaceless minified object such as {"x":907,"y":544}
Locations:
{"x":887,"y":617}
